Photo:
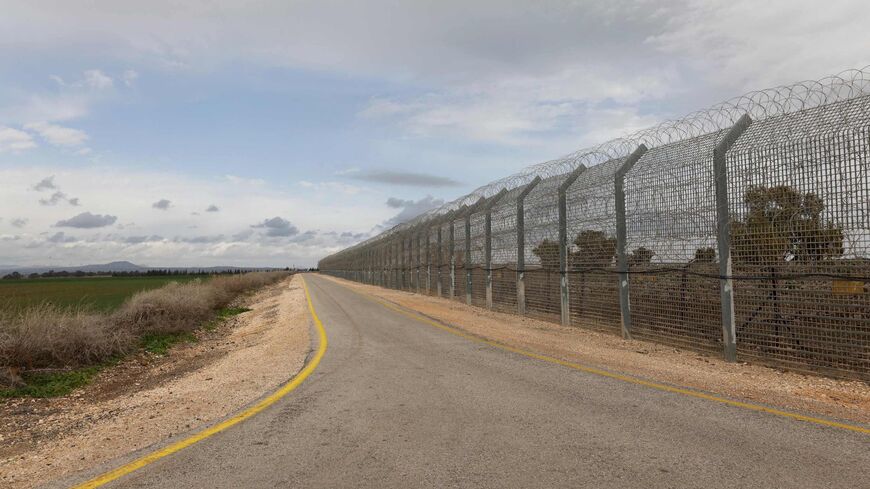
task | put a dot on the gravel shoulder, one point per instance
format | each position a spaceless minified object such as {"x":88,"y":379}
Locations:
{"x":841,"y":399}
{"x":147,"y":399}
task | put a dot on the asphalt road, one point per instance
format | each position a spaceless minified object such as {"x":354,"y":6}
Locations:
{"x":398,"y":403}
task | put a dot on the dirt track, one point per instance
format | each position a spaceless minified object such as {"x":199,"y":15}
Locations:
{"x":147,"y":399}
{"x":848,"y":400}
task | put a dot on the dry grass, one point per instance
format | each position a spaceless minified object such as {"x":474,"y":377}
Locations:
{"x":47,"y":336}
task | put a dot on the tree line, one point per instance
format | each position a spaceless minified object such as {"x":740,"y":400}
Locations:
{"x":144,"y":273}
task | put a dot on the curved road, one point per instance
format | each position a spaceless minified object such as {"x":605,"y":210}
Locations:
{"x":398,"y":403}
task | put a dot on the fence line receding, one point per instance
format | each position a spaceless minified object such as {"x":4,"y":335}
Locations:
{"x":742,"y":229}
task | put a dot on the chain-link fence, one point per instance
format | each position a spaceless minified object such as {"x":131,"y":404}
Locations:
{"x":742,"y":229}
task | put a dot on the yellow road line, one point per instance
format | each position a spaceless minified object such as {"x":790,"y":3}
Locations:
{"x":622,"y":377}
{"x":238,"y":418}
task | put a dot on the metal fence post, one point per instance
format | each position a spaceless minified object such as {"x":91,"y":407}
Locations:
{"x":451,"y":247}
{"x":398,"y":264}
{"x":565,"y":304}
{"x":487,"y":259}
{"x":521,"y":246}
{"x":723,"y":231}
{"x":438,"y":257}
{"x":401,"y":262}
{"x":428,"y":262}
{"x":468,"y":258}
{"x":419,"y":261}
{"x":621,"y":237}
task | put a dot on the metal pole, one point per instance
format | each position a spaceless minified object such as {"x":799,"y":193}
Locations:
{"x":401,"y":262}
{"x":419,"y":262}
{"x":487,"y":259}
{"x":723,"y":228}
{"x":439,"y":251}
{"x":417,"y":274}
{"x":621,"y":236}
{"x":428,"y":263}
{"x":452,"y":248}
{"x":565,"y":305}
{"x":468,"y":258}
{"x":399,"y":247}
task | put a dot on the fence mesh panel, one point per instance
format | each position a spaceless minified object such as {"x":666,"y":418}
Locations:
{"x":800,"y":207}
{"x":504,"y":251}
{"x":591,"y":230}
{"x":459,"y":259}
{"x":797,"y":179}
{"x":477,"y":260}
{"x":671,"y":224}
{"x":541,"y":215}
{"x":444,"y":267}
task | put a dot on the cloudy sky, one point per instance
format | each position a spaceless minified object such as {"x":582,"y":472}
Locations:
{"x":276,"y":132}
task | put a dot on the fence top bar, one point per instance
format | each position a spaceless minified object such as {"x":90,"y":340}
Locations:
{"x":630,"y":161}
{"x":470,"y":209}
{"x":531,"y":186}
{"x":493,"y":201}
{"x":571,"y":178}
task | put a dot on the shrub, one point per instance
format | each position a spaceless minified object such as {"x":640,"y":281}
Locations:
{"x":49,"y":336}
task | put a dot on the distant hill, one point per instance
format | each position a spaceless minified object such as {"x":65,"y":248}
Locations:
{"x":115,"y":267}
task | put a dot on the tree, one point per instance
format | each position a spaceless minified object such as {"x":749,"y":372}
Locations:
{"x":594,"y":248}
{"x":548,"y":252}
{"x":784,"y":224}
{"x":641,"y":256}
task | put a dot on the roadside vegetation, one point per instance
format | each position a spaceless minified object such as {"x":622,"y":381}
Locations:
{"x":49,"y":349}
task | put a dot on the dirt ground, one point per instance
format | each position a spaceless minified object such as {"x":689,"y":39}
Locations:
{"x":149,"y":398}
{"x":843,"y":399}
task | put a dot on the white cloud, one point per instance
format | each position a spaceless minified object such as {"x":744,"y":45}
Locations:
{"x":98,"y":80}
{"x":63,"y":106}
{"x":61,"y":237}
{"x":331,"y":186}
{"x":15,"y":140}
{"x":58,"y":135}
{"x":68,"y":100}
{"x":747,"y":45}
{"x":129,"y":77}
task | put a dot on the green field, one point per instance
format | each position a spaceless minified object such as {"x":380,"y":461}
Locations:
{"x":98,"y":293}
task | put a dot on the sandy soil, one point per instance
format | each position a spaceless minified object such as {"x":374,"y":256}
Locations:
{"x":843,"y":399}
{"x":147,"y":398}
